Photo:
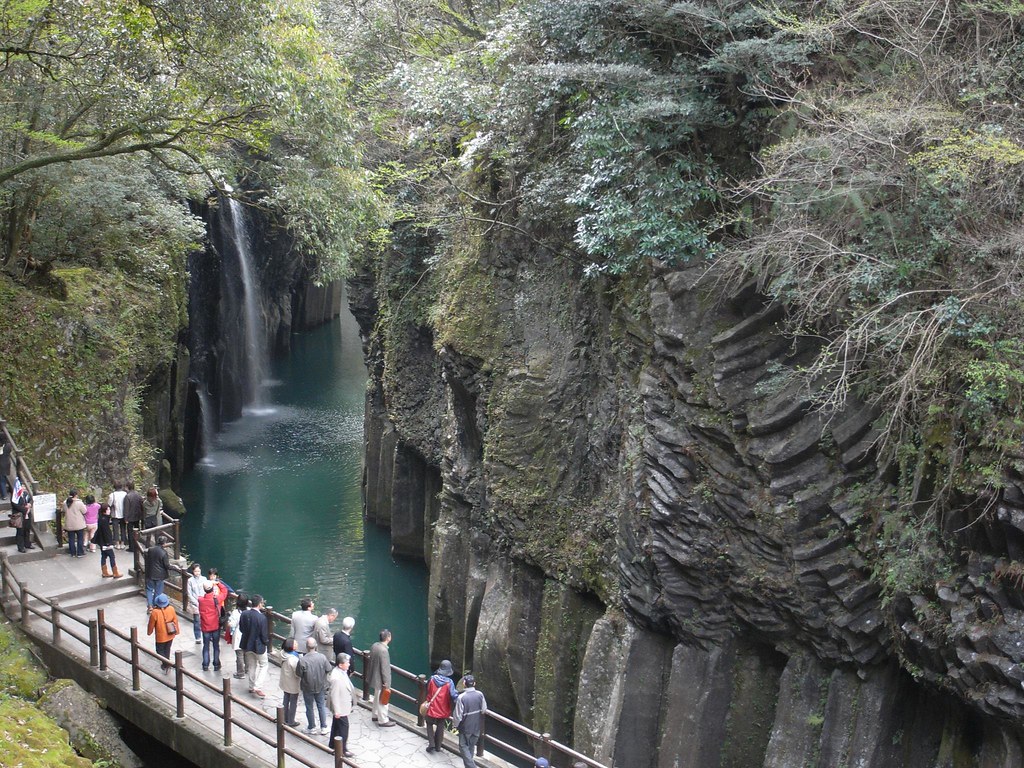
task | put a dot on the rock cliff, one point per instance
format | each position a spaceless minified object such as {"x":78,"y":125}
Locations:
{"x":645,"y":541}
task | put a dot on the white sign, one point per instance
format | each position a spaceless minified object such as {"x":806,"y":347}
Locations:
{"x":44,"y":507}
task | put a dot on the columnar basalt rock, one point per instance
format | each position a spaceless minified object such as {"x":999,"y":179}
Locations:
{"x":649,"y":454}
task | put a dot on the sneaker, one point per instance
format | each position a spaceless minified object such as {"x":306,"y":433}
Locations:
{"x":324,"y":731}
{"x":206,"y":669}
{"x":293,"y":725}
{"x":239,"y":677}
{"x":346,"y":753}
{"x":199,"y":641}
{"x":216,"y":667}
{"x":310,"y":731}
{"x":387,"y":724}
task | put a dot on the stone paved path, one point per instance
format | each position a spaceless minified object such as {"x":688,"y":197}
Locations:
{"x":77,"y":584}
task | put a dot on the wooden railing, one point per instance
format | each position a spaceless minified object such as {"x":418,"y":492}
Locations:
{"x":104,"y":641}
{"x":19,"y":461}
{"x":100,"y":648}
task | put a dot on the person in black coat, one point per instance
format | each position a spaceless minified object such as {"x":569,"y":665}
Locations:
{"x":104,"y":538}
{"x":343,"y":641}
{"x":22,"y":506}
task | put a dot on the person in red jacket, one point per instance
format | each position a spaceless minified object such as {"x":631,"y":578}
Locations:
{"x":441,"y":695}
{"x":209,"y":624}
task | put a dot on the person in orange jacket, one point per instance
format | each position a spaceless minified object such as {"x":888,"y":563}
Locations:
{"x":163,"y":620}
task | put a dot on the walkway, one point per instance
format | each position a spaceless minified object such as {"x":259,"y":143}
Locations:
{"x":77,"y":586}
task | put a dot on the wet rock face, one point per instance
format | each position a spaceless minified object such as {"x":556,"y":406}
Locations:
{"x":648,"y":455}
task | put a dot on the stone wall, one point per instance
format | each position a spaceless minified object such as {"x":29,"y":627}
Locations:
{"x":643,"y":541}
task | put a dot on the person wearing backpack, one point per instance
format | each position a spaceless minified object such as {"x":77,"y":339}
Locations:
{"x":441,"y":696}
{"x":163,"y":621}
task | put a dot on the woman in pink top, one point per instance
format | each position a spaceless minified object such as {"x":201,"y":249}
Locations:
{"x":92,"y":520}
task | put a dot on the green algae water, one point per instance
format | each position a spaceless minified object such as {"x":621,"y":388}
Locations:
{"x":275,"y":505}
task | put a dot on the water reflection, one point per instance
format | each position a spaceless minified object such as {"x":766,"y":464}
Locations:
{"x":276,"y":503}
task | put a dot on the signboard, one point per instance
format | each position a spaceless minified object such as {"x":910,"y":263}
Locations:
{"x":44,"y":507}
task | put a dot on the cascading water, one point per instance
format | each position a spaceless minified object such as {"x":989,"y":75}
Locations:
{"x":207,"y":422}
{"x":255,"y":337}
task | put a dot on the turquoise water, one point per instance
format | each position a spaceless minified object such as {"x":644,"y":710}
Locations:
{"x":276,"y":505}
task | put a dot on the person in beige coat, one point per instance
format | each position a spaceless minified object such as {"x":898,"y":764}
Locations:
{"x":289,"y":682}
{"x":341,"y":700}
{"x":323,"y":635}
{"x":74,"y":524}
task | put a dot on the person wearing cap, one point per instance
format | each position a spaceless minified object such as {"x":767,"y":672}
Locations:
{"x":342,"y":699}
{"x":541,"y":762}
{"x":441,"y":696}
{"x":161,"y":618}
{"x":209,"y":623}
{"x":468,"y":717}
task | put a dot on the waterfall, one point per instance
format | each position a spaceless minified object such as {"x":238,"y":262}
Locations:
{"x":207,"y":421}
{"x":255,"y":342}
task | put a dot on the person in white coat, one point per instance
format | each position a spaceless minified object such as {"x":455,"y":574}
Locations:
{"x":289,"y":682}
{"x":341,"y":700}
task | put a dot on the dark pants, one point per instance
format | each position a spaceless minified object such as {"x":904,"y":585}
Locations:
{"x":5,"y":485}
{"x":339,"y":730}
{"x":105,"y":555}
{"x":21,"y":536}
{"x":290,"y":704}
{"x":211,"y":638}
{"x":76,"y":543}
{"x":120,"y":530}
{"x":435,"y":732}
{"x":315,"y":705}
{"x":164,"y":649}
{"x":467,"y":746}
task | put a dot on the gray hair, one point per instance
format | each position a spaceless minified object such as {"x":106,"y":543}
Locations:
{"x":311,"y":643}
{"x":348,"y":624}
{"x":342,"y":658}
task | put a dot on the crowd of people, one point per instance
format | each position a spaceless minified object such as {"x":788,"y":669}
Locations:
{"x":315,"y":661}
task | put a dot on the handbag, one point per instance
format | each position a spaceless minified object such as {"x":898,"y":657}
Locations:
{"x":17,"y":520}
{"x":385,"y":696}
{"x":425,"y":706}
{"x":171,"y":627}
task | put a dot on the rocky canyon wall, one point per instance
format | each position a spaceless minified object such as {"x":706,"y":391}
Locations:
{"x":643,"y":539}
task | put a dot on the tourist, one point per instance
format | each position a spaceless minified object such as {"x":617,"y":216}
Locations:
{"x":132,"y":505}
{"x":157,"y":567}
{"x":74,"y":524}
{"x":343,"y":640}
{"x":116,"y":502}
{"x":209,"y":623}
{"x":92,"y":515}
{"x":222,"y":589}
{"x":313,"y":670}
{"x":342,"y":700}
{"x":164,"y":621}
{"x":21,"y":510}
{"x":105,"y":538}
{"x":255,"y":641}
{"x":468,"y":717}
{"x":194,"y":591}
{"x":441,"y":696}
{"x":322,"y":634}
{"x":302,"y":624}
{"x":378,"y":677}
{"x":289,"y":682}
{"x":151,"y":509}
{"x":233,"y":634}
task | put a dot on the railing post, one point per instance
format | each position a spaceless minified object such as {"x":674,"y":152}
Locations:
{"x":179,"y":686}
{"x":23,"y":588}
{"x":59,"y":524}
{"x":136,"y":682}
{"x":177,"y":540}
{"x":226,"y":693}
{"x":366,"y":662}
{"x":101,"y":621}
{"x":421,"y":696}
{"x":339,"y":753}
{"x":280,"y":737}
{"x":268,"y":611}
{"x":140,"y":578}
{"x":5,"y":587}
{"x":483,"y":736}
{"x":55,"y":619}
{"x":94,"y":643}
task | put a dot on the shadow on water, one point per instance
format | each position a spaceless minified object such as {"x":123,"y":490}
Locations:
{"x":276,"y":504}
